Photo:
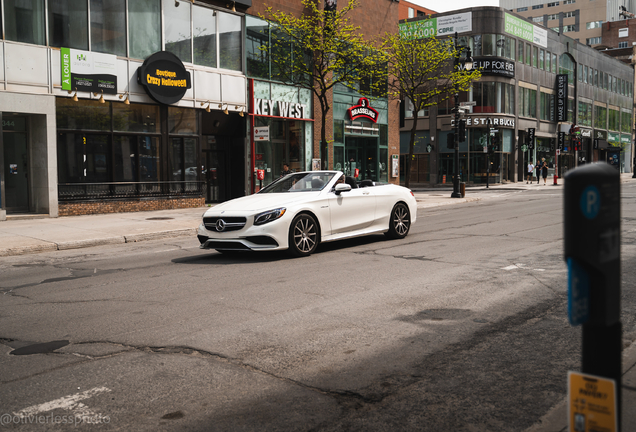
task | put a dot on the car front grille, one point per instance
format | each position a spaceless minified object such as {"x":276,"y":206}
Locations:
{"x":229,"y":223}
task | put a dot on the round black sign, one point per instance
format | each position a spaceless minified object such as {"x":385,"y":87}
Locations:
{"x":164,"y":77}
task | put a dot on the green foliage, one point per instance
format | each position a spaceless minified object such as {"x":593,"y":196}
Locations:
{"x":423,"y":70}
{"x":321,"y":49}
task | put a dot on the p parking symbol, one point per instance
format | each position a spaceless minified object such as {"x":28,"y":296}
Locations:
{"x":590,"y":202}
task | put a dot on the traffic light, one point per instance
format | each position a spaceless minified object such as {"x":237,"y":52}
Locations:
{"x":450,"y":140}
{"x":462,"y":131}
{"x":494,"y":144}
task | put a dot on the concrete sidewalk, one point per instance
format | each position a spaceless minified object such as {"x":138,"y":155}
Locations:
{"x":23,"y":234}
{"x":557,"y":419}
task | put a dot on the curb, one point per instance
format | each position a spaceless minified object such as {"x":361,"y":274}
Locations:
{"x":79,"y":244}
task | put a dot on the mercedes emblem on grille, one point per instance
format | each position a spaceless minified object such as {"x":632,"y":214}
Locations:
{"x":220,"y":225}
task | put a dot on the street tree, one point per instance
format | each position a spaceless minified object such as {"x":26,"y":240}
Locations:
{"x":424,"y":71}
{"x":320,"y":49}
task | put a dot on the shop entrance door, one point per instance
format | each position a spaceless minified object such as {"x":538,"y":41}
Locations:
{"x":16,"y":172}
{"x":362,"y":153}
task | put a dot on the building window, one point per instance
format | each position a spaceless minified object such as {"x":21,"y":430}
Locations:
{"x":614,"y":120}
{"x":177,"y":30}
{"x":555,"y":29}
{"x":541,"y":59}
{"x":569,"y":14}
{"x":144,"y":28}
{"x":585,"y":114}
{"x":553,"y":17}
{"x":522,"y":9}
{"x":623,"y":45}
{"x":494,"y":97}
{"x":580,"y":73}
{"x":590,"y":77}
{"x":68,"y":24}
{"x":593,"y":41}
{"x":596,"y":77}
{"x":600,"y":117}
{"x":24,"y":21}
{"x":528,"y":54}
{"x":593,"y":24}
{"x":626,"y":121}
{"x":546,"y":111}
{"x":535,"y":56}
{"x":553,"y":4}
{"x":205,"y":38}
{"x":527,"y":102}
{"x":538,"y":19}
{"x":567,"y":2}
{"x":537,"y":7}
{"x":108,"y":27}
{"x":585,"y":74}
{"x":230,"y":35}
{"x":569,"y":28}
{"x":547,"y":62}
{"x":411,"y":13}
{"x":554,"y":63}
{"x":566,"y":66}
{"x":520,"y":52}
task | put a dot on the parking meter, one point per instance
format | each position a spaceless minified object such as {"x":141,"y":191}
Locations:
{"x":592,"y":245}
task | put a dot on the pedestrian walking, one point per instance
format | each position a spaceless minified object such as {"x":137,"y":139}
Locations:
{"x":537,"y":169}
{"x":530,"y":171}
{"x":544,"y":170}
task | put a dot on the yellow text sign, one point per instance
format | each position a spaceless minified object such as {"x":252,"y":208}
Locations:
{"x":592,"y":403}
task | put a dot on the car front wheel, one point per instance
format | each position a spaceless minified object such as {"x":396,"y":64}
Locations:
{"x":303,"y":235}
{"x":400,"y":222}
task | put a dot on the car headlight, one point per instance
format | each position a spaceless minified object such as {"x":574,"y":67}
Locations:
{"x":268,"y":216}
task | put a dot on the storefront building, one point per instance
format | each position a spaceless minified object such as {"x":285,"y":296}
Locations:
{"x":535,"y":83}
{"x":121,"y":106}
{"x":285,"y":120}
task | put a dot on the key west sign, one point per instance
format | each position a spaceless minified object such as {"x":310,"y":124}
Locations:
{"x":266,"y":107}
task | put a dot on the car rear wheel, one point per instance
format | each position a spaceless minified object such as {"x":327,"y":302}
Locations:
{"x":400,"y":222}
{"x":303,"y":235}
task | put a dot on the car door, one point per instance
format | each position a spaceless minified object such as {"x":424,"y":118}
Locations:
{"x":351,"y":211}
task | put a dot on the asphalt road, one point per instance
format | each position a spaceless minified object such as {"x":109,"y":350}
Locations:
{"x":462,"y":326}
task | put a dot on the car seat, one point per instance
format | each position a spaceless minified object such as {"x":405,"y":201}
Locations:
{"x":366,"y":183}
{"x":351,"y":182}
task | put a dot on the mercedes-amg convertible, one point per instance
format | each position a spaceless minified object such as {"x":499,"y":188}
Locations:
{"x":299,"y":211}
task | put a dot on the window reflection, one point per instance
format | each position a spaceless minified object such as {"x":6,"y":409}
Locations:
{"x":24,"y":21}
{"x":177,"y":29}
{"x":144,"y":28}
{"x":68,"y":23}
{"x":108,"y":26}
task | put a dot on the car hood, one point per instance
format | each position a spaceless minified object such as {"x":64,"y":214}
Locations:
{"x":262,"y":202}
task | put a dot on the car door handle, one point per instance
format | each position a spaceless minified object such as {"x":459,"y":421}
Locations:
{"x":365,"y":193}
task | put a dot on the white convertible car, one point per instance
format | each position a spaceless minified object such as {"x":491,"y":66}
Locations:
{"x":301,"y":210}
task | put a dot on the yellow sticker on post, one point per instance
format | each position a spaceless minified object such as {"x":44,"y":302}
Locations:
{"x":592,"y":403}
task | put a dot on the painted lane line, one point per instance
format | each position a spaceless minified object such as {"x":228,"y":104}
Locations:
{"x":69,"y":403}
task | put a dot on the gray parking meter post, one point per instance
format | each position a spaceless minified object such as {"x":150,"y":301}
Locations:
{"x":592,"y":245}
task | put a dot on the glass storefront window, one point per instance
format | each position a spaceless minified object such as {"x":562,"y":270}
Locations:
{"x":136,"y":118}
{"x":149,"y":158}
{"x":175,"y":158}
{"x":256,"y":36}
{"x":108,"y":26}
{"x":68,"y":23}
{"x":97,"y":165}
{"x":230,"y":37}
{"x":144,"y":28}
{"x":125,"y":163}
{"x":84,"y":114}
{"x":182,"y":121}
{"x":24,"y":21}
{"x":176,"y":25}
{"x":489,"y":45}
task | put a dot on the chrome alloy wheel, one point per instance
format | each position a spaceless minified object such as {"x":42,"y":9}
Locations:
{"x":401,"y":220}
{"x":303,"y":235}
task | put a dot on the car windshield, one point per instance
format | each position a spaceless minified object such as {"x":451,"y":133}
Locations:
{"x":299,"y":182}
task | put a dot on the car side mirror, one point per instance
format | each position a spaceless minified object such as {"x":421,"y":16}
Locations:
{"x":342,"y":187}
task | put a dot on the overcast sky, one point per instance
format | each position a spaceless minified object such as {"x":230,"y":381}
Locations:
{"x":439,"y":6}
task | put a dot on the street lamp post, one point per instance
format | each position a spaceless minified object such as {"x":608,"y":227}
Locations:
{"x":468,"y":65}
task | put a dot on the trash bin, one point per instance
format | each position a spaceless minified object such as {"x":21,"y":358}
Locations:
{"x":462,"y":189}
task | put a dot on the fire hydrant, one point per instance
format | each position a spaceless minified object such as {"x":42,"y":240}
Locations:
{"x":555,"y":179}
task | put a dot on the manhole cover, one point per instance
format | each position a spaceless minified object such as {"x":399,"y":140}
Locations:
{"x":159,"y":218}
